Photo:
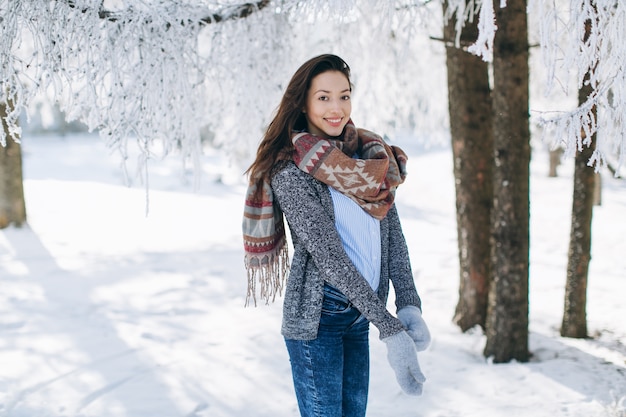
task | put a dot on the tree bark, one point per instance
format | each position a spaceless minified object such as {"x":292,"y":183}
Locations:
{"x":555,"y":161}
{"x":471,"y":131}
{"x":12,"y":204}
{"x":597,"y":188}
{"x":507,"y":315}
{"x":579,"y":255}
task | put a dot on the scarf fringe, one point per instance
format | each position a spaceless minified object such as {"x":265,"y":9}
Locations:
{"x":269,"y":271}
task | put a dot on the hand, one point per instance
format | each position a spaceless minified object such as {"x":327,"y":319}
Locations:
{"x":411,"y":318}
{"x":402,"y":357}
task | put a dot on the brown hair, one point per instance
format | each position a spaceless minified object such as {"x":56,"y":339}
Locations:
{"x":276,"y":143}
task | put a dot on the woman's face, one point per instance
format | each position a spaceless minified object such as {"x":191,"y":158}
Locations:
{"x":328,"y":104}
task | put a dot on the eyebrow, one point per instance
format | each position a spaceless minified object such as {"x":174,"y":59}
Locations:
{"x":328,"y":92}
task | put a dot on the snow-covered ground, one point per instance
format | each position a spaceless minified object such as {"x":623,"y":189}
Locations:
{"x":107,"y":312}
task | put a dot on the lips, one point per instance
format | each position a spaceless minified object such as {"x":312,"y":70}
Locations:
{"x":336,"y":122}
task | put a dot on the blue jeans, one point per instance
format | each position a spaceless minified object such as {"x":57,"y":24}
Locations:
{"x":331,"y":372}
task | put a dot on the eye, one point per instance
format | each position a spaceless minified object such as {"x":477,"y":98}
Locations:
{"x":345,"y":98}
{"x":323,"y":98}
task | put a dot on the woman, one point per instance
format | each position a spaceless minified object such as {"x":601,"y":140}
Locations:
{"x":335,"y":185}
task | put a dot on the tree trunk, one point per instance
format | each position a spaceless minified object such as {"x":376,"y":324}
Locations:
{"x":579,"y":254}
{"x":12,"y":205}
{"x":507,"y":315}
{"x":555,"y":161}
{"x":471,"y":130}
{"x":597,"y":188}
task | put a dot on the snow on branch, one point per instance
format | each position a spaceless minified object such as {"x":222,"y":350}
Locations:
{"x":134,"y":73}
{"x":596,"y":59}
{"x":235,"y":12}
{"x":467,"y":11}
{"x":464,"y":12}
{"x":486,"y":32}
{"x":174,"y":75}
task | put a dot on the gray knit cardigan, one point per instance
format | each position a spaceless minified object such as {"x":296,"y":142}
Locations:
{"x":319,"y":256}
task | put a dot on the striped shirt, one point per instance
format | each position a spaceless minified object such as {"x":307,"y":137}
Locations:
{"x":360,"y":236}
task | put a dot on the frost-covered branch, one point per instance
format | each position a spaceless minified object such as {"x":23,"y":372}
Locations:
{"x":160,"y":76}
{"x":135,"y":73}
{"x":104,"y":14}
{"x":601,"y":55}
{"x":486,"y":32}
{"x":235,"y":12}
{"x":467,"y":11}
{"x":566,"y":50}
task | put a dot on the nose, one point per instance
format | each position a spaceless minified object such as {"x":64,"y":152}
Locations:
{"x":337,"y":105}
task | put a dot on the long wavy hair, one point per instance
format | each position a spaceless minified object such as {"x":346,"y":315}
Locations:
{"x":276,"y":143}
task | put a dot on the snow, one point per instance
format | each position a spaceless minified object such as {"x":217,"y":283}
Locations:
{"x":106,"y":311}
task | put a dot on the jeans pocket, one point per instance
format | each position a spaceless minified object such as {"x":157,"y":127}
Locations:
{"x":334,"y":301}
{"x":333,"y":306}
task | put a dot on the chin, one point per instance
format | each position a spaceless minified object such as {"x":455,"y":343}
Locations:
{"x":334,"y":132}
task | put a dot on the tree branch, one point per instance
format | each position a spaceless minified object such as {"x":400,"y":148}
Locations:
{"x":228,"y":13}
{"x":235,"y":12}
{"x":464,"y":44}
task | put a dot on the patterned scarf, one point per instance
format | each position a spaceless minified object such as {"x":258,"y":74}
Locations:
{"x":370,"y":182}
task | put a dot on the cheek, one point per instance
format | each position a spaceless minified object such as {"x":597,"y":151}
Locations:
{"x":312,"y":107}
{"x":347,"y":109}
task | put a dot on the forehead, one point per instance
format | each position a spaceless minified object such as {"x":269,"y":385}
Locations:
{"x":330,"y":81}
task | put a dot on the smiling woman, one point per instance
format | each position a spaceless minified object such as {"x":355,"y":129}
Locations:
{"x":335,"y":184}
{"x":328,"y":105}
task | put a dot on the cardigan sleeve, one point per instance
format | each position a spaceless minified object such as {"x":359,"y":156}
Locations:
{"x":400,"y":271}
{"x":314,"y":227}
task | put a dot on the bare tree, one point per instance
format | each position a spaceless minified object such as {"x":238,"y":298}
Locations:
{"x":579,"y":255}
{"x":598,"y":60}
{"x":12,"y":204}
{"x":471,"y":131}
{"x":507,"y":316}
{"x":506,"y":324}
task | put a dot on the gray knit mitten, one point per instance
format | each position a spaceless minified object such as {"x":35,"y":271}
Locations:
{"x":402,"y":357}
{"x":411,"y":318}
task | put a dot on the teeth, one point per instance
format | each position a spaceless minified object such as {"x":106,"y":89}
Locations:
{"x":334,"y":120}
